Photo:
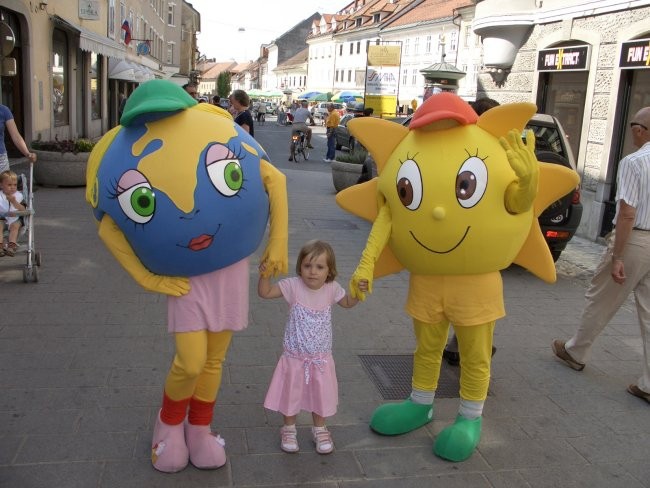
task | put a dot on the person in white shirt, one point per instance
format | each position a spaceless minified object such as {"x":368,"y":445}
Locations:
{"x":625,"y":265}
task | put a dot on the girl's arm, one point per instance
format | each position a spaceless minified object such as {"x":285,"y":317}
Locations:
{"x":264,"y":287}
{"x":348,"y":301}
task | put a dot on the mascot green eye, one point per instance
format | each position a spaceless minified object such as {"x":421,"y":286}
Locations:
{"x":138,"y":203}
{"x":226,"y":176}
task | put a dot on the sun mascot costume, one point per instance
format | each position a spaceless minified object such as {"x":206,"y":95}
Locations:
{"x":182,"y":196}
{"x":456,"y":201}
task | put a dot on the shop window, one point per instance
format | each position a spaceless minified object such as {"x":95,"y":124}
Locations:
{"x":60,"y":106}
{"x":453,"y":43}
{"x":111,"y":19}
{"x":170,"y":14}
{"x":95,"y":86}
{"x":170,"y":53}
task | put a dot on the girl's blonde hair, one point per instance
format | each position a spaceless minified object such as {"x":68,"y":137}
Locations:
{"x":8,"y":174}
{"x":313,"y":249}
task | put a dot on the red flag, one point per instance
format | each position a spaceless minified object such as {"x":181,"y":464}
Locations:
{"x":127,"y":32}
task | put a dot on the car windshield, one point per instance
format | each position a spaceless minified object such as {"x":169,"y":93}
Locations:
{"x":547,"y":139}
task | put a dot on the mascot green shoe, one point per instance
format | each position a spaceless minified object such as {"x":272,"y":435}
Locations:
{"x":400,"y":418}
{"x":458,"y":441}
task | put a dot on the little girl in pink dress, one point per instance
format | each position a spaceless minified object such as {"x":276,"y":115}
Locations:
{"x":305,"y":377}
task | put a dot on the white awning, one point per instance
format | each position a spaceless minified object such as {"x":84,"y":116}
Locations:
{"x":129,"y":71}
{"x":121,"y":70}
{"x":91,"y":41}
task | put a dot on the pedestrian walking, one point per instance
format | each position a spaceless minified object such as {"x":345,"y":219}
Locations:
{"x":331,"y":123}
{"x":625,"y":265}
{"x":7,"y":121}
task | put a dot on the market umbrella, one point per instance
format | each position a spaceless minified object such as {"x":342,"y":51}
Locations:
{"x":323,"y":97}
{"x":347,"y":96}
{"x":308,"y":95}
{"x":274,"y":93}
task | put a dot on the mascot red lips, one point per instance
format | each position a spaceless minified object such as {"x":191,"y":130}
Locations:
{"x":200,"y":243}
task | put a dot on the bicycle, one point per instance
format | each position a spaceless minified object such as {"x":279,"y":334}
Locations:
{"x":298,"y":146}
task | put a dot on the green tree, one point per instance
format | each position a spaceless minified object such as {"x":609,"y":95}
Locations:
{"x":223,"y":84}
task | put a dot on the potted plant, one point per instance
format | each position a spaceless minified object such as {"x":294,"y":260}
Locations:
{"x":61,"y":162}
{"x":348,"y":167}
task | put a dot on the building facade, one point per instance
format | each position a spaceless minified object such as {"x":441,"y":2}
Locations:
{"x":76,"y":60}
{"x":588,"y":64}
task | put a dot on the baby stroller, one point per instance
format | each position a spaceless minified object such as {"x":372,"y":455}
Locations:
{"x":25,"y":186}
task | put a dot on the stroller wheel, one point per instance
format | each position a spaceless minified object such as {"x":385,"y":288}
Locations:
{"x":37,"y":258}
{"x":30,"y":274}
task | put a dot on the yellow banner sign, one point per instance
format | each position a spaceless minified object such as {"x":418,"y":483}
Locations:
{"x":384,"y":55}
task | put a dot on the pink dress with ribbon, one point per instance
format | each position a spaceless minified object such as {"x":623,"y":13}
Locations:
{"x":305,"y":376}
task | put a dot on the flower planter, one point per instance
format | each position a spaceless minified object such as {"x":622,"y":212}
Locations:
{"x":345,"y":174}
{"x":60,"y":169}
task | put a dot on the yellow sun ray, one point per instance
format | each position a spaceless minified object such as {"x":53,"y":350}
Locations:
{"x":555,"y":181}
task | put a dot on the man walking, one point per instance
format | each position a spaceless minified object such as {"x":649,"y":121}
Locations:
{"x":625,"y":265}
{"x":331,"y":123}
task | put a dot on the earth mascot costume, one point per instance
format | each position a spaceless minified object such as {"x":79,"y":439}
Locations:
{"x":456,"y":200}
{"x":182,"y":196}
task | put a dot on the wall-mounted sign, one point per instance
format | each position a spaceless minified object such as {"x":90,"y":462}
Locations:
{"x":382,"y":71}
{"x":143,"y":48}
{"x":635,"y":54}
{"x":89,"y":9}
{"x":574,"y":58}
{"x":384,"y":55}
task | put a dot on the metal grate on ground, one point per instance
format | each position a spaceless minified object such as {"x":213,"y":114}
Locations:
{"x":391,"y":374}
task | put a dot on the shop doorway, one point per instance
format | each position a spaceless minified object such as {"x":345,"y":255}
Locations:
{"x":563,"y":95}
{"x":11,"y":87}
{"x":634,"y":94}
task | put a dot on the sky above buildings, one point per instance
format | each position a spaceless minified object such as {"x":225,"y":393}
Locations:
{"x":236,"y":29}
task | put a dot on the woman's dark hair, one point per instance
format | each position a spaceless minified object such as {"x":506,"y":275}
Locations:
{"x":483,"y":104}
{"x":242,"y":97}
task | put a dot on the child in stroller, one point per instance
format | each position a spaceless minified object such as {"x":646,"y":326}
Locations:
{"x":10,"y":202}
{"x":17,"y":211}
